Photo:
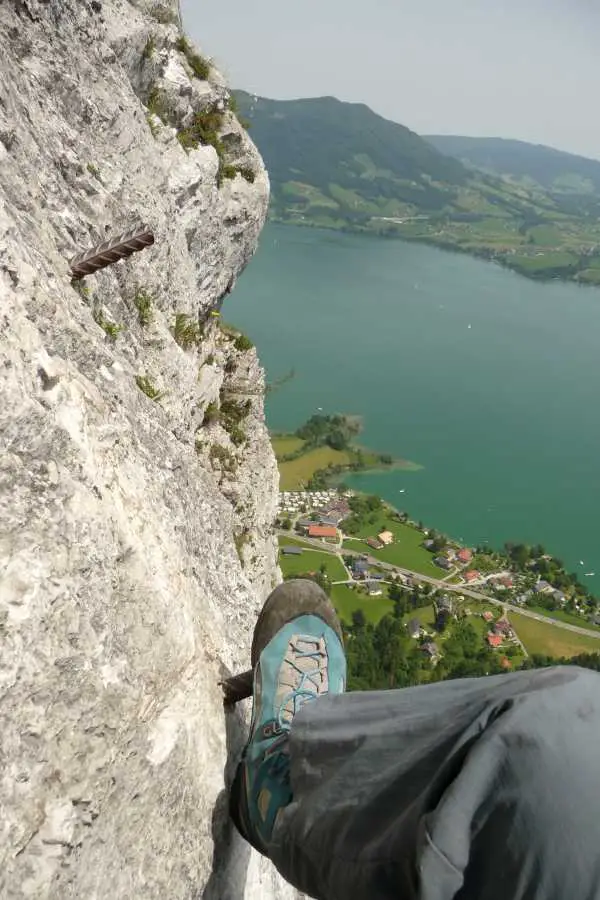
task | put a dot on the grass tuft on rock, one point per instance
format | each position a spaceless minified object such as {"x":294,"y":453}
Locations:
{"x":143,"y":302}
{"x":146,"y":387}
{"x":111,"y":329}
{"x":186,"y":332}
{"x":197,"y":63}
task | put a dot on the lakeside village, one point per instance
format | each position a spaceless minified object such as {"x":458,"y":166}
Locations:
{"x":369,"y":553}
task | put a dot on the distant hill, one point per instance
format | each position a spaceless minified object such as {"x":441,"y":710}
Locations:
{"x":340,"y":165}
{"x":343,"y":157}
{"x":325,"y":139}
{"x":553,"y":169}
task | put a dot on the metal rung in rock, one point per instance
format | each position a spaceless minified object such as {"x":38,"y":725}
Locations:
{"x":111,"y":251}
{"x":238,"y":687}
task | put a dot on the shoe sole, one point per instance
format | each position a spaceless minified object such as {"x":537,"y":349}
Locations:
{"x":298,"y":597}
{"x":294,"y":598}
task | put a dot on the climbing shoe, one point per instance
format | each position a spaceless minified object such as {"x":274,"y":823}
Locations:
{"x":297,"y":657}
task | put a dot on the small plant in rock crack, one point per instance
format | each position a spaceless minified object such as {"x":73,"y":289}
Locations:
{"x":198,"y":64}
{"x":242,"y":342}
{"x":232,"y":414}
{"x":143,"y":302}
{"x":204,"y":129}
{"x":248,"y":173}
{"x":147,"y":388}
{"x":211,"y":414}
{"x":230,"y":171}
{"x":157,"y":105}
{"x":154,"y":129}
{"x":164,"y":16}
{"x":223,"y":456}
{"x":149,"y":47}
{"x":81,"y":287}
{"x":186,"y":332}
{"x":110,"y":328}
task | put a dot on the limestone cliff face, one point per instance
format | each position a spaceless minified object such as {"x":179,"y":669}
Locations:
{"x":135,"y":533}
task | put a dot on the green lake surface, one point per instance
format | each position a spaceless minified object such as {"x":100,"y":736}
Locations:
{"x":489,"y":381}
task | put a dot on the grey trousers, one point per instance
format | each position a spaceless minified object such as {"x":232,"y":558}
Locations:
{"x":479,"y":789}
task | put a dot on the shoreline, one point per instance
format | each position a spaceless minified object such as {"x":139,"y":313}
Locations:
{"x":334,"y":473}
{"x":485,"y":254}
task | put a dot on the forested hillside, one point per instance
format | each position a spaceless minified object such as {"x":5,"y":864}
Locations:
{"x":340,"y":165}
{"x":559,"y":172}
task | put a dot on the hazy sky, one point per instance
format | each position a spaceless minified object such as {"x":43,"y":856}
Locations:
{"x":527,"y":69}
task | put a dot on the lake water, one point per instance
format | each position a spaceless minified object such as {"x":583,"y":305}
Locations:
{"x":489,"y":381}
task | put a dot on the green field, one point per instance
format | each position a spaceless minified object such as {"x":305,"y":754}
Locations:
{"x":551,"y":640}
{"x":563,"y":616}
{"x":590,"y":276}
{"x":311,"y":561}
{"x":294,"y":475}
{"x":546,"y":235}
{"x":554,"y":259}
{"x":425,"y":615}
{"x":406,"y":551}
{"x":346,"y":601}
{"x":286,"y":443}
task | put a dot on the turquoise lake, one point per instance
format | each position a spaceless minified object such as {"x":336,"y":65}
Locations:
{"x":487,"y":380}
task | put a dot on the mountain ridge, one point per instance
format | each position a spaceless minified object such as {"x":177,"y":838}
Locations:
{"x":340,"y":165}
{"x":516,"y":157}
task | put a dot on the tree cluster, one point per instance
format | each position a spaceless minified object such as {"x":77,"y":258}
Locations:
{"x":365,"y":510}
{"x":334,"y":431}
{"x":549,"y":568}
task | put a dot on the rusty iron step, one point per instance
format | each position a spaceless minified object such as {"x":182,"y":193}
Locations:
{"x":238,"y":687}
{"x":111,"y":251}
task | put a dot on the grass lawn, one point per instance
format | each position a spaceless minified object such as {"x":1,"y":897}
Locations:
{"x":297,"y":189}
{"x":285,"y":443}
{"x":406,"y":551}
{"x":563,"y":616}
{"x":478,"y":623}
{"x":546,"y":235}
{"x":550,"y":640}
{"x":551,"y":259}
{"x":346,"y":601}
{"x":484,"y":564}
{"x":425,"y":615}
{"x":590,"y":276}
{"x":311,"y":561}
{"x":293,"y":475}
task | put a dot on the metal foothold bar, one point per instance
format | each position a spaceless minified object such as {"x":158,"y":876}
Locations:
{"x":238,"y":687}
{"x":111,"y":251}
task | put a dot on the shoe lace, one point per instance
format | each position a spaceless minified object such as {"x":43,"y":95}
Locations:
{"x":308,"y":668}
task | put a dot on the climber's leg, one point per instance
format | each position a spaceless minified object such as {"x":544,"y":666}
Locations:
{"x":479,"y":789}
{"x":297,"y":656}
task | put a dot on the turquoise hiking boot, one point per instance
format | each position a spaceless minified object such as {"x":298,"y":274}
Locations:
{"x":297,"y":657}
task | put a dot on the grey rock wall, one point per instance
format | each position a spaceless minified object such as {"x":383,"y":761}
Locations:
{"x":135,"y":534}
